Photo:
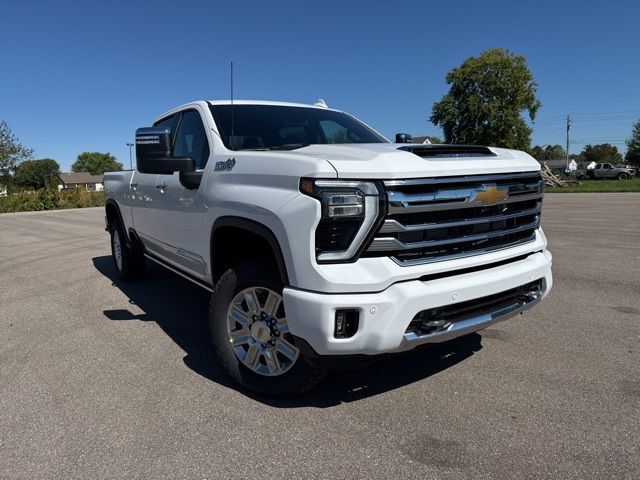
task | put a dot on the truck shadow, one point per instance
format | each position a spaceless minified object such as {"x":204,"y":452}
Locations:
{"x":180,"y":310}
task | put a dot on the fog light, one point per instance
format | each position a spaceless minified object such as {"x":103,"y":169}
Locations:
{"x":346,"y":323}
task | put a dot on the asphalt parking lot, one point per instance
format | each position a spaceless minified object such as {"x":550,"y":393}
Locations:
{"x":100,"y":379}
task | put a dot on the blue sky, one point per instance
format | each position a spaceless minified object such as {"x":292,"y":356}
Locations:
{"x":78,"y":76}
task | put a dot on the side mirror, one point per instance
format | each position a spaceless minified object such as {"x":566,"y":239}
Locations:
{"x":403,"y":138}
{"x":154,"y":153}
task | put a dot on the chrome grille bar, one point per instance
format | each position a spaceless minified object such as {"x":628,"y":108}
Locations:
{"x":390,"y":243}
{"x":443,"y":200}
{"x":391,"y":226}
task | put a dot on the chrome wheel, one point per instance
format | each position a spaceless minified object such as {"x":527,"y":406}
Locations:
{"x":117,"y":249}
{"x":258,"y":332}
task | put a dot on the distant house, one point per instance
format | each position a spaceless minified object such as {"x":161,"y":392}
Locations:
{"x":91,"y":183}
{"x":561,"y":165}
{"x":421,"y":139}
{"x":3,"y":191}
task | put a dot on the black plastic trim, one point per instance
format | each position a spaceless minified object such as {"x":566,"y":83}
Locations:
{"x":337,"y":362}
{"x":257,"y":229}
{"x":477,"y":268}
{"x":111,"y":201}
{"x":191,"y":180}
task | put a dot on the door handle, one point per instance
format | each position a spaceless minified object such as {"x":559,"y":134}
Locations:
{"x":134,"y":186}
{"x":162,"y":186}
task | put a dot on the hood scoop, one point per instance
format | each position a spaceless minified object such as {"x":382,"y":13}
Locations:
{"x":448,"y":151}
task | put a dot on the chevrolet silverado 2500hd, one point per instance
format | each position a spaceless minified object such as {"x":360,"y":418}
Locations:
{"x":320,"y":240}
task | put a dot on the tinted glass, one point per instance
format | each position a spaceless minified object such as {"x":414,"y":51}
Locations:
{"x":191,"y":139}
{"x":167,"y":122}
{"x":282,"y":127}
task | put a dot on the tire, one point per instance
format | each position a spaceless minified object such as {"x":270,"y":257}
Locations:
{"x":128,"y":260}
{"x":623,"y":176}
{"x":246,"y":307}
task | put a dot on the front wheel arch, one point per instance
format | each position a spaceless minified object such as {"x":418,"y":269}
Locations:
{"x":234,"y":239}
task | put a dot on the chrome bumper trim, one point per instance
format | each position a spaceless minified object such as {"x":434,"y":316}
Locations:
{"x":469,"y":325}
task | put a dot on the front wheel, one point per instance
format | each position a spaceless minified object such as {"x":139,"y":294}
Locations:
{"x":623,"y":176}
{"x":251,"y":335}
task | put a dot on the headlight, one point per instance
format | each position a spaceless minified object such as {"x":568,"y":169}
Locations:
{"x":349,"y":211}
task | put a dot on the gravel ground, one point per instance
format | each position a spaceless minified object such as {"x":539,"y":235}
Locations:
{"x":100,"y":379}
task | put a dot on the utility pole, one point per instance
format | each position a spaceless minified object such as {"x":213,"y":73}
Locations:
{"x":131,"y":163}
{"x":568,"y":128}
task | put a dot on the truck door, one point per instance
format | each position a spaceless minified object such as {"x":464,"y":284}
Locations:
{"x":141,"y":191}
{"x":177,"y":233}
{"x":144,"y":195}
{"x":597,"y":171}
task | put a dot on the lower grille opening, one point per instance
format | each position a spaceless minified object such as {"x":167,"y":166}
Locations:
{"x":440,"y":319}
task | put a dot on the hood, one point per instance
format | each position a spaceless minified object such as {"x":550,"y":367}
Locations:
{"x":393,"y":160}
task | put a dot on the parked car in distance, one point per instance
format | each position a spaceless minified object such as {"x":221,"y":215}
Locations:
{"x":608,"y":170}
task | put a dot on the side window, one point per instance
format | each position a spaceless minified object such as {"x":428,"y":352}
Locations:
{"x":168,"y":122}
{"x":191,"y":139}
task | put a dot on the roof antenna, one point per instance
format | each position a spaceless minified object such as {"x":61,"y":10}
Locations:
{"x":232,"y":136}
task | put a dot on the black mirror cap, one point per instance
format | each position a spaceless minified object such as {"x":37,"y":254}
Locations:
{"x":154,"y":153}
{"x":153,"y":142}
{"x":403,"y":138}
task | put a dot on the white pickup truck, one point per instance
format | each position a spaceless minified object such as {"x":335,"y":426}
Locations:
{"x":322,"y":241}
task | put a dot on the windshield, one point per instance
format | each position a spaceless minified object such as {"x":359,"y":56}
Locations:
{"x":277,"y":127}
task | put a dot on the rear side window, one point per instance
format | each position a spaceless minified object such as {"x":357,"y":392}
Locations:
{"x":191,"y":139}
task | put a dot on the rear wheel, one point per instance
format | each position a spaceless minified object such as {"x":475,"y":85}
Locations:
{"x":128,"y":260}
{"x":251,"y":335}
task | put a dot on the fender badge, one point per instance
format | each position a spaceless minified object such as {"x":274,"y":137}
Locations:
{"x":225,"y":166}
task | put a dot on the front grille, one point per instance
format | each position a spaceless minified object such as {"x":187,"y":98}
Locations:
{"x":443,"y":218}
{"x":437,"y":319}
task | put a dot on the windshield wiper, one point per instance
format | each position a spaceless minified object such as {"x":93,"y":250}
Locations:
{"x":289,"y":146}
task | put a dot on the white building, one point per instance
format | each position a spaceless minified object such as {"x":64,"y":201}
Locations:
{"x":91,"y":183}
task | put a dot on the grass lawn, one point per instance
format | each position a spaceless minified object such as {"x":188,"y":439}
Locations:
{"x":631,"y":185}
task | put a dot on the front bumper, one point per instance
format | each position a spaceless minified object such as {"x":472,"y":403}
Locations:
{"x":384,"y":316}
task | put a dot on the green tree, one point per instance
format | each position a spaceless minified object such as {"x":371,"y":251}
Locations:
{"x":603,"y":152}
{"x":96,"y":163}
{"x":549,"y":152}
{"x":12,"y":152}
{"x":486,"y":100}
{"x":633,"y":147}
{"x":35,"y":174}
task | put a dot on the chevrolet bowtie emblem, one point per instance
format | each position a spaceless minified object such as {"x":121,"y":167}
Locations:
{"x":490,"y":195}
